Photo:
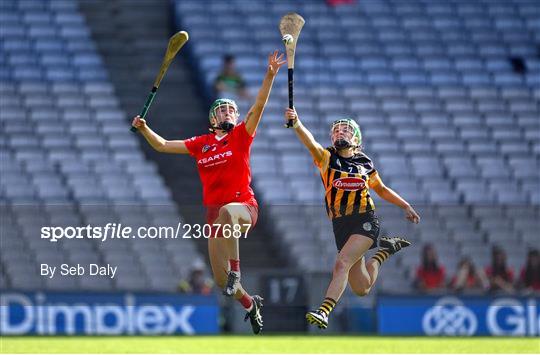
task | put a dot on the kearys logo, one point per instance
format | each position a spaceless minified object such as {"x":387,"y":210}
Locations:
{"x":349,"y":184}
{"x":215,"y":157}
{"x":449,"y":317}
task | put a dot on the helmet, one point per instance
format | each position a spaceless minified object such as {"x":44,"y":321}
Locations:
{"x":226,"y":126}
{"x":351,"y":124}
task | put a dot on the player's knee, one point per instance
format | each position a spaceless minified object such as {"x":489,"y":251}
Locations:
{"x":342,"y":265}
{"x":225,"y":215}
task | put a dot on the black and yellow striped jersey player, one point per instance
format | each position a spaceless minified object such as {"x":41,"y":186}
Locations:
{"x":348,"y":175}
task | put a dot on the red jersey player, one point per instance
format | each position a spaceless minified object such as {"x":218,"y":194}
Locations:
{"x":223,"y":163}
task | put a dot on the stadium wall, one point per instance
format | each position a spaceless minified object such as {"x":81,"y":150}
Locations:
{"x":47,"y":313}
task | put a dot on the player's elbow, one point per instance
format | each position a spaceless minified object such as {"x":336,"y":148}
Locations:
{"x":160,"y":147}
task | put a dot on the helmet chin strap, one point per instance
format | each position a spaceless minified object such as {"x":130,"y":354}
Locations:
{"x":341,"y":144}
{"x":224,"y":126}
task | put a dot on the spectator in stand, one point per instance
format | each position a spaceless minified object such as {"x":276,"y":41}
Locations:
{"x":529,"y":279}
{"x":229,"y":83}
{"x":500,"y":276}
{"x":197,"y":283}
{"x":430,"y":275}
{"x":469,"y":278}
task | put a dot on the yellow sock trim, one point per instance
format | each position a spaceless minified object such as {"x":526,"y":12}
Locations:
{"x":381,"y":256}
{"x":327,"y":306}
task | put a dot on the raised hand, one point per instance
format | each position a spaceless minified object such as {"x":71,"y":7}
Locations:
{"x":275,"y":61}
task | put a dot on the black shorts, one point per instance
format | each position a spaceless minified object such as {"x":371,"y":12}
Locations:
{"x":366,"y":224}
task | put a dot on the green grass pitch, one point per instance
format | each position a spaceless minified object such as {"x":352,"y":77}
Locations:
{"x":267,"y":344}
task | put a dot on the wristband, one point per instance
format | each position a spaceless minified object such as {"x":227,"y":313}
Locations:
{"x":296,"y":123}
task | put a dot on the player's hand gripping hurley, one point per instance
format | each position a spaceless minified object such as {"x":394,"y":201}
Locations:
{"x":290,"y":27}
{"x":175,"y":43}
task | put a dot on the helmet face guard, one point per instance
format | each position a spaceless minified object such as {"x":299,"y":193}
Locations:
{"x":225,"y":112}
{"x":345,"y":133}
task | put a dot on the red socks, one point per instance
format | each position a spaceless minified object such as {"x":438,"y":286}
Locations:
{"x":235,"y":265}
{"x":246,"y":301}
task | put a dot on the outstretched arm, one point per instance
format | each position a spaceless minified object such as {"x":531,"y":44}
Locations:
{"x":253,"y":118}
{"x":391,"y":196}
{"x":305,"y":136}
{"x":156,"y":141}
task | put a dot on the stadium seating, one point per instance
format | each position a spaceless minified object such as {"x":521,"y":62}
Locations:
{"x":448,"y":122}
{"x":68,"y":159}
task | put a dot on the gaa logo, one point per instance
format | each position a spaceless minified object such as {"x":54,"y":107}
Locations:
{"x":449,"y":317}
{"x":349,"y":184}
{"x":366,"y":226}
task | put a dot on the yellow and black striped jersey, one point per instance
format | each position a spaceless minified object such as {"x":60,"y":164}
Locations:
{"x":346,"y":182}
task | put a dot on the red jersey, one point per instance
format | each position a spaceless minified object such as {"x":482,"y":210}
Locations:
{"x":431,"y":278}
{"x":223,"y":165}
